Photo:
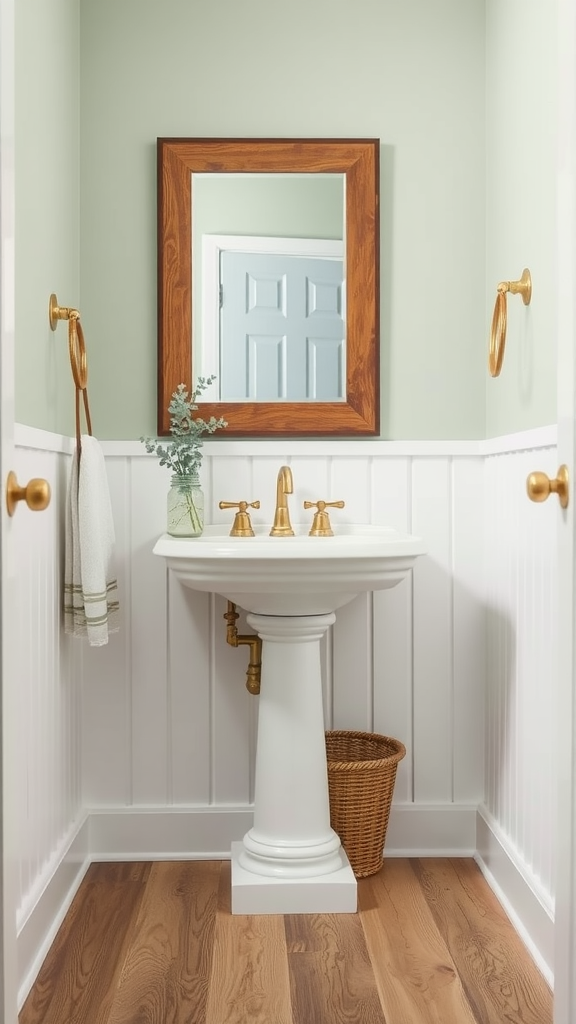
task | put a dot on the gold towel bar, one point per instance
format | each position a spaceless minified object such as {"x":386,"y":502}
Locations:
{"x":522,"y":287}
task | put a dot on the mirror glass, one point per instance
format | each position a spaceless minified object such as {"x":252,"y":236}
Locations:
{"x":268,"y":286}
{"x":268,"y":278}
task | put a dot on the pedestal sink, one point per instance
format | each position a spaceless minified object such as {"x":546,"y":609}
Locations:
{"x":291,"y":861}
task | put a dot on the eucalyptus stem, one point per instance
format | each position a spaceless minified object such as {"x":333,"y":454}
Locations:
{"x":183,"y":453}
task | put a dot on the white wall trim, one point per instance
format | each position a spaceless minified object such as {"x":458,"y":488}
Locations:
{"x":527,"y":907}
{"x":38,"y":930}
{"x":525,"y":440}
{"x":42,"y":440}
{"x":313,"y":448}
{"x":541,"y":437}
{"x":538,"y":437}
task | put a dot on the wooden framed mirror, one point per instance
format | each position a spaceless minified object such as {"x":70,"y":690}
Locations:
{"x":356,"y":412}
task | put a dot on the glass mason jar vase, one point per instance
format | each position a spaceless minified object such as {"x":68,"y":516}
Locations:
{"x":185,"y":506}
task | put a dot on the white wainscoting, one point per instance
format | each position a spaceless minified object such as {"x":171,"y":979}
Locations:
{"x":53,"y":857}
{"x":516,"y":826}
{"x":145,"y":747}
{"x":168,"y":722}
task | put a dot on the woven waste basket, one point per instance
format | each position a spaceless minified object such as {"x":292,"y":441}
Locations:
{"x":361,"y":776}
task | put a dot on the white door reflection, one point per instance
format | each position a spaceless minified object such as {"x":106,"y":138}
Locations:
{"x":281,"y":328}
{"x":273,"y":319}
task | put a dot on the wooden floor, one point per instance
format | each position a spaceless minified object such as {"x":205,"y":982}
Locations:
{"x":156,"y":944}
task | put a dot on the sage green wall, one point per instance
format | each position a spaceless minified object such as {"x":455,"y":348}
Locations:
{"x":457,"y":209}
{"x":289,"y":206}
{"x":410,"y":73}
{"x":522,"y":157}
{"x":47,"y":206}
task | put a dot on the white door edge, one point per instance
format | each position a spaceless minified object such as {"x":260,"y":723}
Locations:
{"x":565,"y":903}
{"x":8,"y":738}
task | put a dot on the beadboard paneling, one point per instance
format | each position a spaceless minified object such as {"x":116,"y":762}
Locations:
{"x":174,"y":718}
{"x":521,"y":581}
{"x":433,"y":750}
{"x":107,"y":703}
{"x":49,"y":684}
{"x":469,"y":642}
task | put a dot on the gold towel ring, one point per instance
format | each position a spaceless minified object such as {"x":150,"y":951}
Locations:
{"x":77,"y":351}
{"x":78,"y":360}
{"x":522,"y":287}
{"x":76,"y":345}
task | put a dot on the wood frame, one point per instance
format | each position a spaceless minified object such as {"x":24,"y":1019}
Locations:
{"x":358,"y":160}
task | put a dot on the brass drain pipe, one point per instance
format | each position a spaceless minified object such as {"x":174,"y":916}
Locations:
{"x":255,"y":644}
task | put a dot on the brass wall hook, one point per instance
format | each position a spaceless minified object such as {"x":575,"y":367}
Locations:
{"x":56,"y":312}
{"x":522,"y":287}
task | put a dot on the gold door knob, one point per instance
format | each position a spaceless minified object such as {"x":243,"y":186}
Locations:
{"x":540,"y":486}
{"x":36,"y":494}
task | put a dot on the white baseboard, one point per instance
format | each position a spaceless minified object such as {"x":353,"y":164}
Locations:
{"x":202,"y":833}
{"x":431,"y":830}
{"x":528,"y":909}
{"x":158,"y":833}
{"x":38,"y":930}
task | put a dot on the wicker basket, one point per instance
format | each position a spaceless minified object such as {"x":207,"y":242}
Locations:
{"x":361,"y":776}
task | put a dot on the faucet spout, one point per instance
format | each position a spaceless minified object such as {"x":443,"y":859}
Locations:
{"x":282,"y":526}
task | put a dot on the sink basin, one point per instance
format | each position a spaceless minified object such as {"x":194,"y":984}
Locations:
{"x":298,"y":575}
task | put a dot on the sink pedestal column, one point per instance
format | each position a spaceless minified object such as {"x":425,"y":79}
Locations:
{"x":291,"y":860}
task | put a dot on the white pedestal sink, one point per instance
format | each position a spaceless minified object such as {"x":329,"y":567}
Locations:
{"x":291,"y":861}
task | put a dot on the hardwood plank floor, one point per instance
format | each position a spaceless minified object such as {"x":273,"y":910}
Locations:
{"x":416,"y":976}
{"x":249,"y":980}
{"x":157,"y":944}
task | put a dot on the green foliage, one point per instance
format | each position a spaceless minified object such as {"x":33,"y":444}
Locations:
{"x":183,"y":455}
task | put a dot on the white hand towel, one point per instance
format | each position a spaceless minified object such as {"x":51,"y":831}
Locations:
{"x":91,"y":607}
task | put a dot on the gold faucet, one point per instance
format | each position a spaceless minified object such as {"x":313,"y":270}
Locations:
{"x":282,"y":526}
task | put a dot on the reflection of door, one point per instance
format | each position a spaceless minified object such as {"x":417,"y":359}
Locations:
{"x":281,"y":328}
{"x":207,"y":349}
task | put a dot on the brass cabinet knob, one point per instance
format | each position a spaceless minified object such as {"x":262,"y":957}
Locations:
{"x":36,"y":494}
{"x":540,"y":486}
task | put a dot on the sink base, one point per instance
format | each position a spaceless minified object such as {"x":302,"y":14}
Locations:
{"x":333,"y":893}
{"x":291,"y":860}
{"x":291,"y":837}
